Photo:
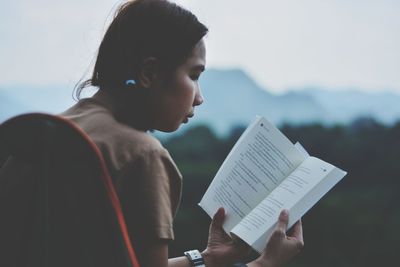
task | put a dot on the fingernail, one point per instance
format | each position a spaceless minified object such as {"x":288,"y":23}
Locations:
{"x":285,"y":212}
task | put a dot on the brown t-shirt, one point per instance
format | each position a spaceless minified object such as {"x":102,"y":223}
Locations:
{"x":146,"y":179}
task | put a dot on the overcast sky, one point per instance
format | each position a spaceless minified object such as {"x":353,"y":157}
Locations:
{"x":283,"y":44}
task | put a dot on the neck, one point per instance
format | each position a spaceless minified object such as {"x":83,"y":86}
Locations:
{"x":128,"y":107}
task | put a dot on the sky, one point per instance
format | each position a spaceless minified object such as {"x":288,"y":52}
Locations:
{"x":282,"y":44}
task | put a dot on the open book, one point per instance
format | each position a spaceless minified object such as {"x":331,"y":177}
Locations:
{"x":263,"y":174}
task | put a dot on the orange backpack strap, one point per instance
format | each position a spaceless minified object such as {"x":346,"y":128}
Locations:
{"x":58,"y":204}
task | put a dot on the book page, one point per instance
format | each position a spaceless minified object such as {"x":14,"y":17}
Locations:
{"x":297,"y":193}
{"x":301,"y":149}
{"x":257,"y":164}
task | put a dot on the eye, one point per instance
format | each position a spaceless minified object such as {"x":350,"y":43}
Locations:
{"x":195,"y":77}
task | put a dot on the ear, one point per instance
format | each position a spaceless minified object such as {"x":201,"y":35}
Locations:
{"x":149,"y":72}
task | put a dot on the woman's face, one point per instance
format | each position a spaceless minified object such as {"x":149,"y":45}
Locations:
{"x":176,"y":100}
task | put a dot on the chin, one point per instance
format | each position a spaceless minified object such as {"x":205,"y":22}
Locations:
{"x":168,"y":128}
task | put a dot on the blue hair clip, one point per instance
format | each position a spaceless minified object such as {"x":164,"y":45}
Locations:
{"x":130,"y":82}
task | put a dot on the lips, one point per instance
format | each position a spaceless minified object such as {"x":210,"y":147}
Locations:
{"x":186,"y":119}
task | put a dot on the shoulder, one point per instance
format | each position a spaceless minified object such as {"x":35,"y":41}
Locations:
{"x":147,"y":155}
{"x":123,"y":145}
{"x":118,"y":142}
{"x":130,"y":140}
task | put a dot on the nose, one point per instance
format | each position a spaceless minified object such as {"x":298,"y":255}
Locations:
{"x":198,"y":99}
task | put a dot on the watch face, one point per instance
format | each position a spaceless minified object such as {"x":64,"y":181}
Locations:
{"x":195,"y":258}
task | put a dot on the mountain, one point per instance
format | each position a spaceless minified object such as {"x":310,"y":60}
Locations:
{"x":346,"y":105}
{"x":233,"y":98}
{"x":20,"y":99}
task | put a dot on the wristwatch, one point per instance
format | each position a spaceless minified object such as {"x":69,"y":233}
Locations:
{"x":195,"y":258}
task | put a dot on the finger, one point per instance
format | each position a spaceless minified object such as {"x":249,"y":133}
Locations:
{"x":283,"y":220}
{"x":239,"y":242}
{"x":294,"y":229}
{"x":218,"y":218}
{"x":297,"y":231}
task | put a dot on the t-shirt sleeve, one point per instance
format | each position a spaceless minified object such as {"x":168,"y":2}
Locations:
{"x":150,"y":192}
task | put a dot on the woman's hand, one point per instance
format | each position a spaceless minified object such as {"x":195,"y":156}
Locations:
{"x":221,"y":249}
{"x":281,"y":247}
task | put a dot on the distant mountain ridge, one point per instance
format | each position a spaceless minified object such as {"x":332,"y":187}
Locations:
{"x":233,"y":98}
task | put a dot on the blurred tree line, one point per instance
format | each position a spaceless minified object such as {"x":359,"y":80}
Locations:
{"x":355,"y":224}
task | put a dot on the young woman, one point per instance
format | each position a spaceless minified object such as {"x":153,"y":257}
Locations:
{"x":147,"y":72}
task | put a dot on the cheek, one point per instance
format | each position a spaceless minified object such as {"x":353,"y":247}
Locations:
{"x":182,"y":94}
{"x":189,"y":90}
{"x":188,"y":98}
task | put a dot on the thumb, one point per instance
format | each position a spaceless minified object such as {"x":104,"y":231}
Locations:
{"x":283,"y":220}
{"x":218,"y":218}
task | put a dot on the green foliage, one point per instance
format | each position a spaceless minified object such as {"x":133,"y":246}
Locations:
{"x":354,"y":225}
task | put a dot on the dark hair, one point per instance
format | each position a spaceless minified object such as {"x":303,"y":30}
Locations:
{"x":142,"y":29}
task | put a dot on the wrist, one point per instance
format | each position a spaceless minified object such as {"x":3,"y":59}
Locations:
{"x":211,"y":259}
{"x":208,"y":258}
{"x":261,"y":262}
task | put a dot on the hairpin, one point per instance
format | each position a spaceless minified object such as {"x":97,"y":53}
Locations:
{"x":130,"y":82}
